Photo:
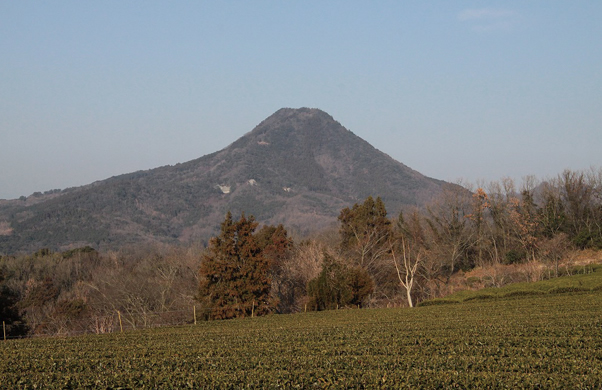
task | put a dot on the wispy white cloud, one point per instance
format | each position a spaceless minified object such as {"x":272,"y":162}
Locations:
{"x":489,"y":19}
{"x":485,"y":14}
{"x":498,"y":26}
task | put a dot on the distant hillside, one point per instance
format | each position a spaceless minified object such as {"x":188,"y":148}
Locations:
{"x":299,"y":167}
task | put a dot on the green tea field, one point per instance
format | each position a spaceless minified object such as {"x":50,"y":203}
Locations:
{"x":539,"y":341}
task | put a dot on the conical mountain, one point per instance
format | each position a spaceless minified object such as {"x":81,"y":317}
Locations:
{"x":298,"y":167}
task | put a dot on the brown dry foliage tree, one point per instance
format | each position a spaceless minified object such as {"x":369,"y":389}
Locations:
{"x":149,"y":286}
{"x":296,"y":271}
{"x":499,"y":195}
{"x":277,"y":249}
{"x":235,"y":276}
{"x":524,"y":223}
{"x":480,"y":207}
{"x":451,"y":234}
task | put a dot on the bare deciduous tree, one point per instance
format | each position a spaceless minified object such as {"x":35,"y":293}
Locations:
{"x":406,"y":265}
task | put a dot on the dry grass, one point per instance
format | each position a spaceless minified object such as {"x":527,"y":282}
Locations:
{"x":498,"y":275}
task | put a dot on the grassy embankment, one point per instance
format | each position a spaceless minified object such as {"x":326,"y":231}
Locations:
{"x":582,"y":279}
{"x":541,"y":335}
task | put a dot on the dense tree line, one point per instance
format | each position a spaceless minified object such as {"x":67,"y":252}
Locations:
{"x":377,"y":260}
{"x":81,"y":290}
{"x":372,"y":259}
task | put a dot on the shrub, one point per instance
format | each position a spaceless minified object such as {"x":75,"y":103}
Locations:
{"x":514,"y":257}
{"x":471,"y":281}
{"x":338,"y":285}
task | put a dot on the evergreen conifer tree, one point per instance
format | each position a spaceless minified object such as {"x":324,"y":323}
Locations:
{"x":235,"y":277}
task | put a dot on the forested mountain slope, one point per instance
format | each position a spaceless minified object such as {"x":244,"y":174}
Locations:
{"x":298,"y":167}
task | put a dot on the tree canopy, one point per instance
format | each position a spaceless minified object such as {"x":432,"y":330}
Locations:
{"x":235,"y":275}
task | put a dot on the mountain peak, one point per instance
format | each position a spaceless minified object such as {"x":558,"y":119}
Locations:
{"x":298,"y":167}
{"x":300,"y":112}
{"x":295,"y":126}
{"x":297,"y":118}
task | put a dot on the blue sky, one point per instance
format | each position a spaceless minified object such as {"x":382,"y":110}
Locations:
{"x":472,"y":90}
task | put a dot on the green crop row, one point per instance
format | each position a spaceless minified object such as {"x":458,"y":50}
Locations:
{"x":538,"y":341}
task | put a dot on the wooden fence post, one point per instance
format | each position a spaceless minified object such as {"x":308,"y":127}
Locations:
{"x":194,"y":312}
{"x":4,"y":330}
{"x":253,"y":309}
